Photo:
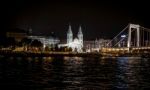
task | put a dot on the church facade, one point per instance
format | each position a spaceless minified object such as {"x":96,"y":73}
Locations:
{"x":76,"y":44}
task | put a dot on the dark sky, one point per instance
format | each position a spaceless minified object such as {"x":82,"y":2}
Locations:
{"x":98,"y":18}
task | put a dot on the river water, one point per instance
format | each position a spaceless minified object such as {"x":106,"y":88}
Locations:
{"x":74,"y":73}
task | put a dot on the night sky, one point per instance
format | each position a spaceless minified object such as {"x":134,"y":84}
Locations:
{"x":98,"y":19}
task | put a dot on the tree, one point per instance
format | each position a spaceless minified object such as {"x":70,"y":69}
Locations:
{"x":36,"y":43}
{"x":69,"y":49}
{"x":26,"y":41}
{"x":47,"y":48}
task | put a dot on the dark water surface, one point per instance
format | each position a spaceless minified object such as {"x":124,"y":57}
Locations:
{"x":74,"y":73}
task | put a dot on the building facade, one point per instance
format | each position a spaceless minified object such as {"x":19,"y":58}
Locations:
{"x":17,"y":34}
{"x":50,"y":41}
{"x":95,"y":45}
{"x":76,"y":44}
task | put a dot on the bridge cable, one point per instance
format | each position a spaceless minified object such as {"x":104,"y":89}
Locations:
{"x":122,"y":39}
{"x":118,"y":34}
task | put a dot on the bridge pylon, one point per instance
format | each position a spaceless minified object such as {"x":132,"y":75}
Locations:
{"x":137,"y":27}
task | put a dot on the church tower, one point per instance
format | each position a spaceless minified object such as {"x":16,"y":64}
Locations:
{"x":80,"y":35}
{"x":69,"y":35}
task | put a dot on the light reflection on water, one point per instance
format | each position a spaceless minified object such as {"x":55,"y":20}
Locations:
{"x":74,"y":73}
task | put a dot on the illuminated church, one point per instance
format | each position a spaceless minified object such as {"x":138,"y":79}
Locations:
{"x":76,"y":44}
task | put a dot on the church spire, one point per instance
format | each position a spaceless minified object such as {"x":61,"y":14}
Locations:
{"x":80,"y":31}
{"x":69,"y":35}
{"x":69,"y":30}
{"x":80,"y":35}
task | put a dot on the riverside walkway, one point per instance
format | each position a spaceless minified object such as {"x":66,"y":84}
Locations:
{"x":48,"y":54}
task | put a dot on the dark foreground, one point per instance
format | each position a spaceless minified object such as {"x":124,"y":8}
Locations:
{"x":74,"y":73}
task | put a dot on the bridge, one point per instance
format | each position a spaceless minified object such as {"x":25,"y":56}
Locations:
{"x":132,"y":39}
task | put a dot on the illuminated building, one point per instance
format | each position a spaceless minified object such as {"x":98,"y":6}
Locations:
{"x":75,"y":44}
{"x":17,"y":34}
{"x":50,"y":41}
{"x":95,"y":45}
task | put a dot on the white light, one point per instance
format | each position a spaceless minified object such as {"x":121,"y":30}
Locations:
{"x":123,"y":36}
{"x":76,"y":44}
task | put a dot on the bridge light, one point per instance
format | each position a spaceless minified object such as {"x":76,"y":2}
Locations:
{"x":123,"y":36}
